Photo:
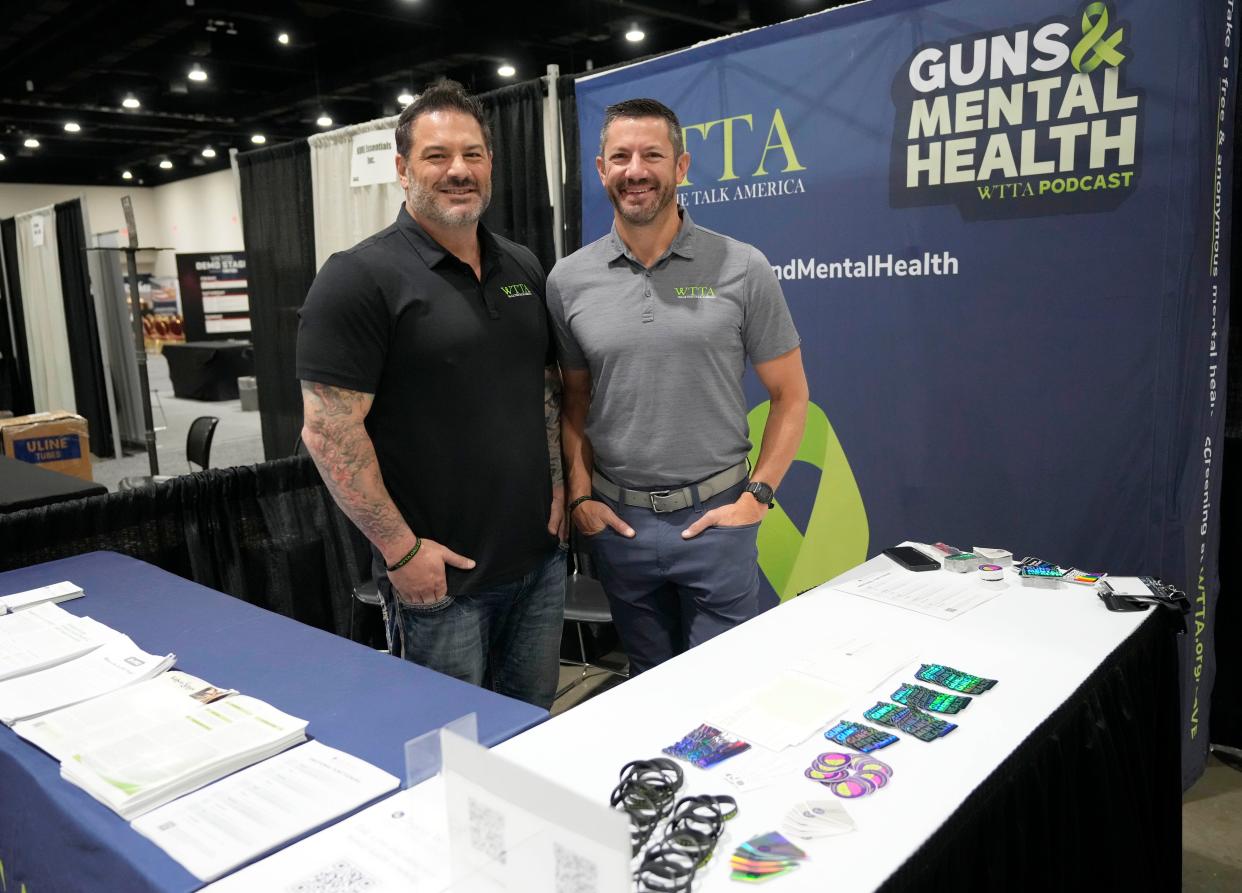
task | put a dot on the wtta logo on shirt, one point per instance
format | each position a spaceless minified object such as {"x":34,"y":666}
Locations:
{"x":519,"y":290}
{"x":694,"y":291}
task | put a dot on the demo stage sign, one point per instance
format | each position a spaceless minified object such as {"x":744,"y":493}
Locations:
{"x":999,"y":228}
{"x":215,"y":295}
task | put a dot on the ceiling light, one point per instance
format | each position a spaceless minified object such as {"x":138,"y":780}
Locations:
{"x":635,"y":34}
{"x":131,"y":101}
{"x":283,"y":38}
{"x":72,"y":127}
{"x":506,"y":70}
{"x":324,"y":120}
{"x":406,"y":97}
{"x":31,"y":143}
{"x":209,"y":152}
{"x":126,"y":175}
{"x":197,"y":73}
{"x":2,"y":158}
{"x":258,"y":138}
{"x":166,"y":165}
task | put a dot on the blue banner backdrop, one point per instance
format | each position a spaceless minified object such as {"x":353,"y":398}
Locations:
{"x":1002,"y":230}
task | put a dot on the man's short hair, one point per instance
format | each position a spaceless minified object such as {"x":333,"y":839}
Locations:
{"x":644,"y":108}
{"x":443,"y":95}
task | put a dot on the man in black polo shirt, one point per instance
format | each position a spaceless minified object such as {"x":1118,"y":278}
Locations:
{"x":432,"y":418}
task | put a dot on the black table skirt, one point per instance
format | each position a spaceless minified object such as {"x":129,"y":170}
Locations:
{"x":1090,"y":801}
{"x":208,"y":370}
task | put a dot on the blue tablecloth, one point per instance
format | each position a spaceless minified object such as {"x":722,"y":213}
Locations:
{"x":54,"y":837}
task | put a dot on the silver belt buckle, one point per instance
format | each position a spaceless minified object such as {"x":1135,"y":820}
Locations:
{"x":655,"y":496}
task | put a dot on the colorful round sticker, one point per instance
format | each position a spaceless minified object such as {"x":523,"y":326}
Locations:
{"x":867,"y":764}
{"x":851,"y":787}
{"x":834,"y":759}
{"x":878,"y":779}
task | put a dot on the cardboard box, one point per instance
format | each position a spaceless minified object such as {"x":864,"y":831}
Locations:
{"x":58,"y":441}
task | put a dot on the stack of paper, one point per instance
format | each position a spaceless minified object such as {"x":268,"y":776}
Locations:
{"x":780,"y":713}
{"x":228,"y":823}
{"x":68,"y":731}
{"x":57,"y":592}
{"x":115,"y":664}
{"x":44,"y":636}
{"x":160,"y":757}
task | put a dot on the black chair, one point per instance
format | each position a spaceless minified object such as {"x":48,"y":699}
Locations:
{"x":197,"y":451}
{"x":585,"y":602}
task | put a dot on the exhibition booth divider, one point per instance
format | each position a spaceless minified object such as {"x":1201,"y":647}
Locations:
{"x":51,"y":354}
{"x":268,"y":534}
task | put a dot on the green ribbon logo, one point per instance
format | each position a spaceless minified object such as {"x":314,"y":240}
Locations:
{"x":837,"y":534}
{"x":1101,"y":48}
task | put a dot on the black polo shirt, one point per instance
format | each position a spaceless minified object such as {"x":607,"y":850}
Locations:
{"x":457,"y":369}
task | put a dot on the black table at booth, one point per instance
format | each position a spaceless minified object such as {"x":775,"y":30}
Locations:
{"x":24,"y":485}
{"x":208,"y":370}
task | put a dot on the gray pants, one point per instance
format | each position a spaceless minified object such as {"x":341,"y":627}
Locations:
{"x":668,"y":594}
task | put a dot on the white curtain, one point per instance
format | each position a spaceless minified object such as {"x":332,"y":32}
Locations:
{"x":47,"y":337}
{"x":346,"y":214}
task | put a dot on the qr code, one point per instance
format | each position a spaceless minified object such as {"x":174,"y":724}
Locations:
{"x":574,"y":873}
{"x":339,"y":877}
{"x":487,"y":830}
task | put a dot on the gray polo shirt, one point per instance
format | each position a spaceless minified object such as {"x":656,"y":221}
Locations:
{"x":666,"y":348}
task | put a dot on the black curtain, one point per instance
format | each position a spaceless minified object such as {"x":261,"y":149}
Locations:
{"x":520,"y":208}
{"x":22,"y":390}
{"x":278,"y":225}
{"x":269,"y":534}
{"x":567,"y":98}
{"x":85,"y":357}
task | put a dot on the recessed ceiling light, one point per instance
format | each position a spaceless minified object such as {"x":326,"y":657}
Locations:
{"x":166,"y":165}
{"x":72,"y":127}
{"x":126,"y":175}
{"x":2,"y":158}
{"x":405,"y":97}
{"x":197,"y":73}
{"x":324,"y":120}
{"x":506,"y":70}
{"x":31,"y":143}
{"x":283,"y":38}
{"x":635,"y":34}
{"x":209,"y":152}
{"x":258,"y":138}
{"x":131,"y":101}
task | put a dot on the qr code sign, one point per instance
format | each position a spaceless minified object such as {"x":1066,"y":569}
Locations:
{"x":487,"y":830}
{"x":339,"y":877}
{"x":574,"y":873}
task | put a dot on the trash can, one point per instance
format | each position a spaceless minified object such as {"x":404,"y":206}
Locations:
{"x":248,"y":390}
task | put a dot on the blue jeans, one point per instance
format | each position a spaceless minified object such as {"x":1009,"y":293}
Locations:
{"x":668,"y":594}
{"x":506,"y":638}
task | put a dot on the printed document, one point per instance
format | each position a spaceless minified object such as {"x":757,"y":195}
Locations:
{"x":940,"y":594}
{"x":44,"y":636}
{"x":115,"y":664}
{"x":57,"y":592}
{"x":226,"y":824}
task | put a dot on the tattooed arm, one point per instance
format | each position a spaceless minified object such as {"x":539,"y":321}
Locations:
{"x":336,"y":437}
{"x":552,"y":422}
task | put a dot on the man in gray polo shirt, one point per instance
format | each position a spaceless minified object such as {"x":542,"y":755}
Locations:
{"x":654,"y":324}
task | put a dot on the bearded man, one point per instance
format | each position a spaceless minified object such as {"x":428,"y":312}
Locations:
{"x":434,"y":420}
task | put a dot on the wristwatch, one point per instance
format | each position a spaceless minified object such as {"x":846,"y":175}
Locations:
{"x":761,"y":491}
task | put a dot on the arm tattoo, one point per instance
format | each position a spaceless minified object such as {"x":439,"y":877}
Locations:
{"x":337,"y":439}
{"x":552,"y":420}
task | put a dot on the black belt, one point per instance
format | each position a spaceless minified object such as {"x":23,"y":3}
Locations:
{"x":671,"y":500}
